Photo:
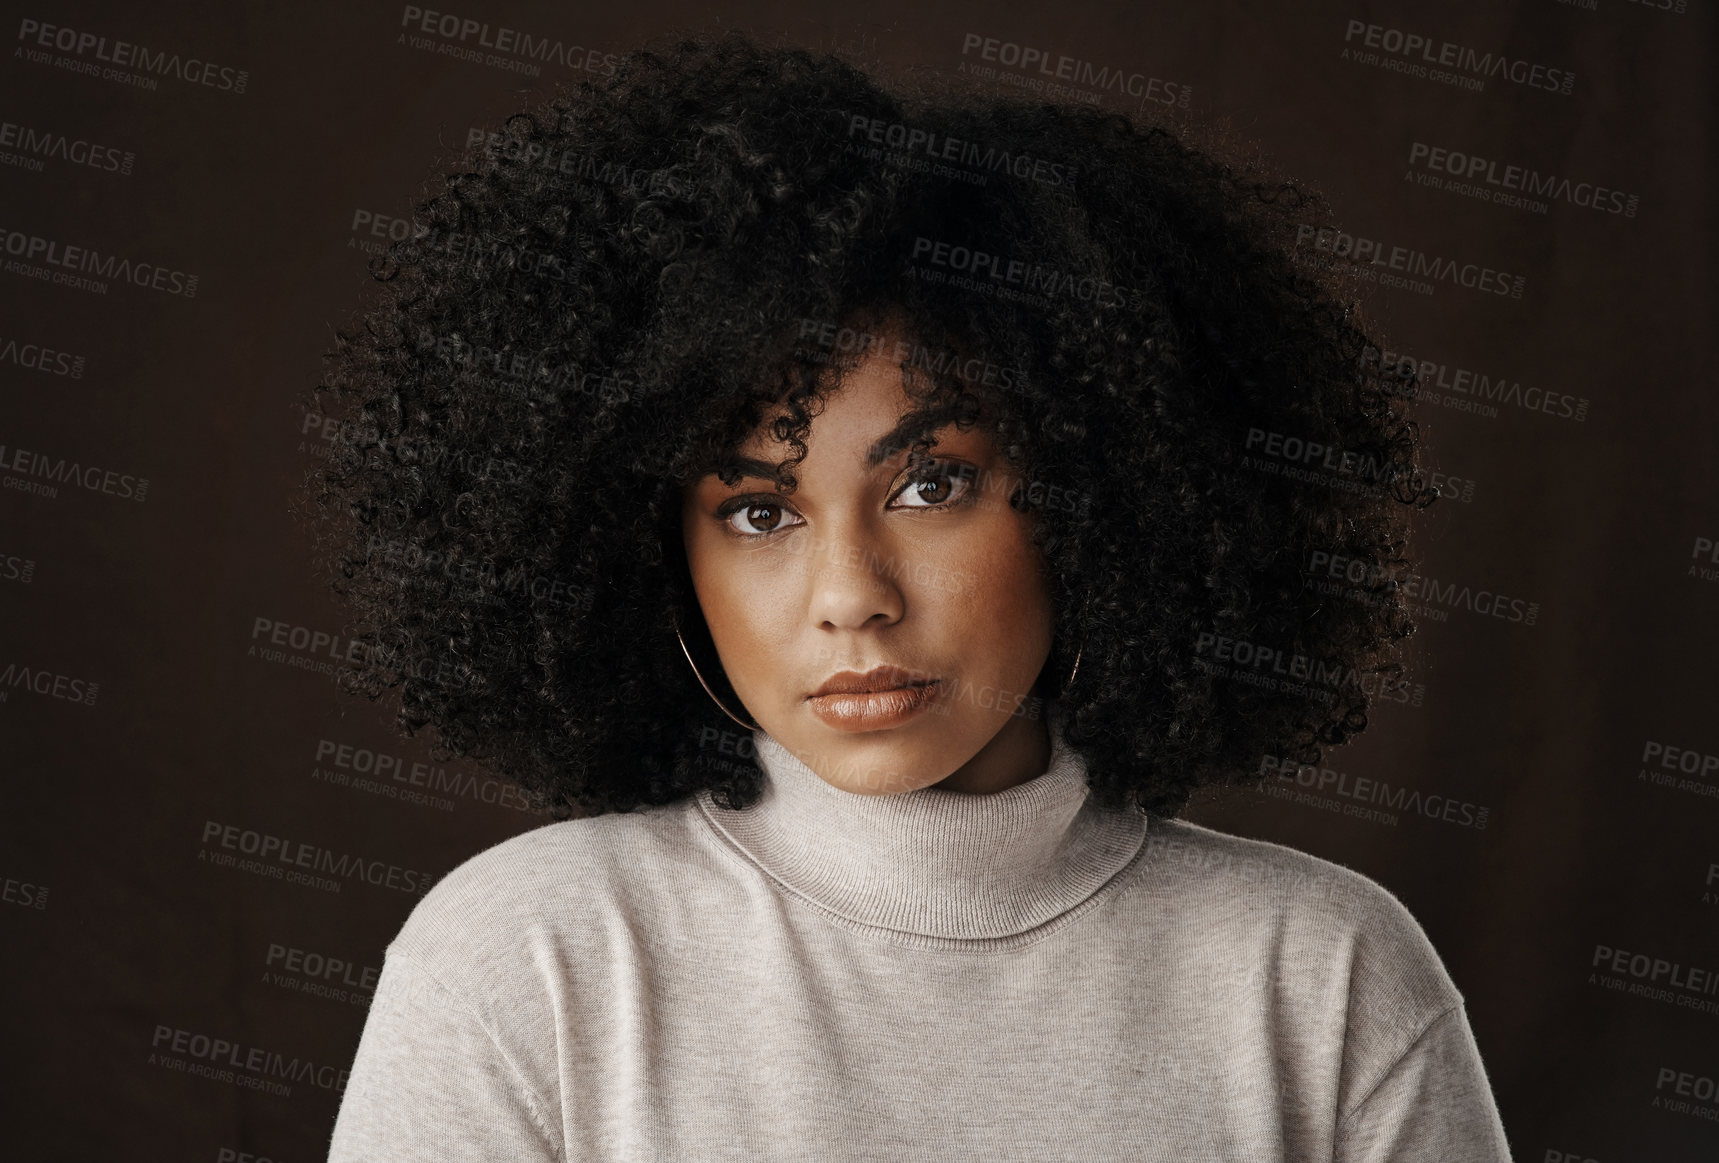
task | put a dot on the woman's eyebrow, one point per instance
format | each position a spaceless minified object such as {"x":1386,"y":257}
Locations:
{"x":891,"y":442}
{"x":752,"y":467}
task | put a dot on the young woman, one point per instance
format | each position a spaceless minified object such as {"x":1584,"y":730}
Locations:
{"x":864,"y":517}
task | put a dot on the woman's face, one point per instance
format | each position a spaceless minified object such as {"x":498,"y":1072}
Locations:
{"x":931,"y":572}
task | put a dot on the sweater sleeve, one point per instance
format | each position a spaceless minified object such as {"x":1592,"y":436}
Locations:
{"x":1433,"y":1105}
{"x":430,"y":1083}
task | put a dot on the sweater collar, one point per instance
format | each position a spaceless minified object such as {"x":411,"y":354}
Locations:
{"x":934,"y":862}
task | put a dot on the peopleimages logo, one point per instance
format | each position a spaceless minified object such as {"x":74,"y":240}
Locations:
{"x":14,"y":568}
{"x":23,"y":893}
{"x":37,"y":144}
{"x":1513,"y":185}
{"x":569,"y":162}
{"x":984,"y":269}
{"x":43,"y":681}
{"x":1372,"y":791}
{"x":1280,"y":670}
{"x":40,"y":358}
{"x":234,"y":1062}
{"x":1419,"y":270}
{"x":283,"y":859}
{"x":1696,"y":979}
{"x":1680,"y":768}
{"x":1303,"y":459}
{"x":62,"y":471}
{"x":912,"y":142}
{"x":319,"y":975}
{"x":1703,"y":546}
{"x":1446,"y":61}
{"x":1063,"y":75}
{"x":1466,"y":389}
{"x":119,"y":55}
{"x":465,"y":38}
{"x":835,"y":338}
{"x":25,"y":250}
{"x":344,"y":764}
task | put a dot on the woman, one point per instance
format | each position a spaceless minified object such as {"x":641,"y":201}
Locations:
{"x":854,"y":505}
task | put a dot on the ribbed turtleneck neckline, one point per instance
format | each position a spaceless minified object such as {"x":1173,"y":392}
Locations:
{"x":934,"y":862}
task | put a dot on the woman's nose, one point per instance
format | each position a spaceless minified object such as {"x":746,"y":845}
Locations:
{"x":852,"y":579}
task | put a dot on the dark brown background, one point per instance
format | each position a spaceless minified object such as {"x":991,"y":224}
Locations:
{"x":114,"y":924}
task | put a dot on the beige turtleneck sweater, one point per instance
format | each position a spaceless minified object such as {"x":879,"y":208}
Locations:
{"x":922,"y":976}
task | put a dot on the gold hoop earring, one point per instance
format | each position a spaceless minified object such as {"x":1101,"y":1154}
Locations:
{"x":706,"y":686}
{"x":1075,"y":671}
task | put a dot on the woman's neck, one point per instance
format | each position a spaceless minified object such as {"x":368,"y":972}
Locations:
{"x":934,"y":862}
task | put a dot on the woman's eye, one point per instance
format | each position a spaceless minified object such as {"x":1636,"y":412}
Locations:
{"x":763,"y":517}
{"x":944,"y":483}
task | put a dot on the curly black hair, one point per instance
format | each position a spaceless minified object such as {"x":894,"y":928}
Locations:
{"x":625,"y":279}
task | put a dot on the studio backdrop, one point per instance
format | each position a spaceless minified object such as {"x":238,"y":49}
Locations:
{"x":192,"y":195}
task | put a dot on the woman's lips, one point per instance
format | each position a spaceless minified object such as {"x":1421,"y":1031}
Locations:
{"x":875,"y":710}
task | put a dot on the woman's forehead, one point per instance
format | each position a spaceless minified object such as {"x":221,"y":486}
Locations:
{"x":863,"y":416}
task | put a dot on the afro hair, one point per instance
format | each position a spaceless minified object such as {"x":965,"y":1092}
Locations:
{"x":623,"y":281}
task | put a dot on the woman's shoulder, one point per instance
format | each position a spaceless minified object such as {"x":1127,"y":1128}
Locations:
{"x":1336,"y":960}
{"x":552,"y":888}
{"x":1196,"y":858}
{"x":1200,"y":858}
{"x":1312,"y":921}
